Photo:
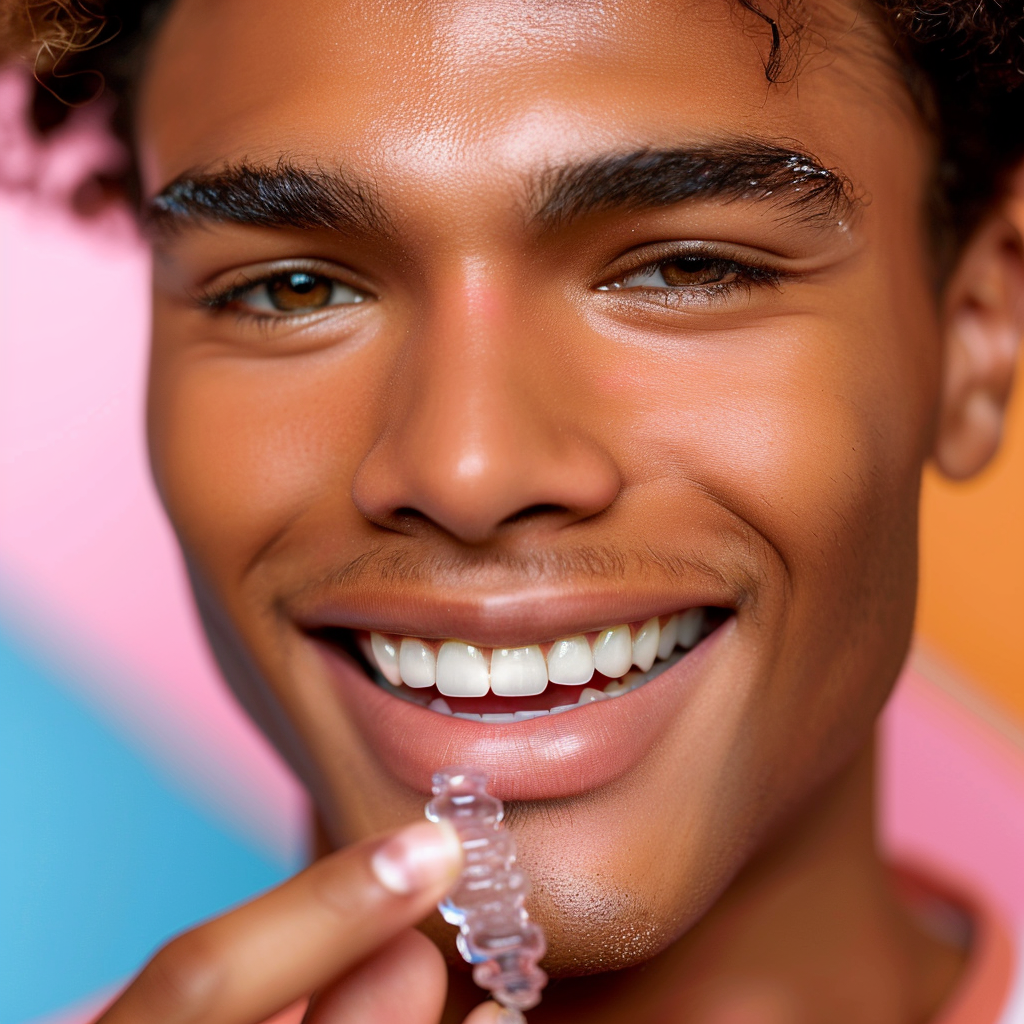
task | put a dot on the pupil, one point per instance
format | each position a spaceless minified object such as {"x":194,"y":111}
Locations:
{"x":298,"y":291}
{"x":697,"y":266}
{"x":302,"y":283}
{"x":694,"y":270}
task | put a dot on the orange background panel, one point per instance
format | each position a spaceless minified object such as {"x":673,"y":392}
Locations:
{"x":971,"y":609}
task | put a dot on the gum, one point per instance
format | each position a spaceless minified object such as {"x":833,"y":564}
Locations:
{"x":496,"y":934}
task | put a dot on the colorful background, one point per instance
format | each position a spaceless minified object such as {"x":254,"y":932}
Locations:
{"x":134,"y":797}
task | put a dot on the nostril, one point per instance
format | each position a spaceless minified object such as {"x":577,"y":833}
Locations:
{"x":413,"y":484}
{"x":534,"y":512}
{"x":407,"y":512}
{"x":407,"y":519}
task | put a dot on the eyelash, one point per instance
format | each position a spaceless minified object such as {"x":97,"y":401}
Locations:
{"x":747,"y":276}
{"x":220,"y":300}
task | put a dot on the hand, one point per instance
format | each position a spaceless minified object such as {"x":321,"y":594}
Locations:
{"x":340,"y":931}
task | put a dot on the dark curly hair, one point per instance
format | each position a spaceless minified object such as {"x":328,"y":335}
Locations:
{"x":963,"y":61}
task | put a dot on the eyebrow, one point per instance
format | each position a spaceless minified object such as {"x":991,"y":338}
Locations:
{"x":281,"y":196}
{"x":287,"y":195}
{"x":729,"y":171}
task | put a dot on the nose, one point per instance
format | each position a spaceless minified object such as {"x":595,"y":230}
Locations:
{"x":483,"y":432}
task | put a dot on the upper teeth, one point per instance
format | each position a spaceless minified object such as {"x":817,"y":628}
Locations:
{"x":459,"y":669}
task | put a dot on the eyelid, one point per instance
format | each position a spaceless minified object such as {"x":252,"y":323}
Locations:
{"x":650,"y":255}
{"x":217,"y":297}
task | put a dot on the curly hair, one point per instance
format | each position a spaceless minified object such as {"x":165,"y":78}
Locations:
{"x":963,"y":61}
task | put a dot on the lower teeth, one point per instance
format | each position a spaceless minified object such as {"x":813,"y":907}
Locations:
{"x":616,"y":688}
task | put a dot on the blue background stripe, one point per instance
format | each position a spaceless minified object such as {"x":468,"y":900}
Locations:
{"x":101,"y":859}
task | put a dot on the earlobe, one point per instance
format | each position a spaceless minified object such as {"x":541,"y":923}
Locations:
{"x":983,"y":323}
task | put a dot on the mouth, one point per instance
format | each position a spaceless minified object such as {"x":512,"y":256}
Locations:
{"x":506,"y":685}
{"x":546,"y":720}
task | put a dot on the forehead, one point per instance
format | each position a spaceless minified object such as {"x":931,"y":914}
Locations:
{"x":485,"y":90}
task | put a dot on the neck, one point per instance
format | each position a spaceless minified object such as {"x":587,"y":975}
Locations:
{"x":811,"y":930}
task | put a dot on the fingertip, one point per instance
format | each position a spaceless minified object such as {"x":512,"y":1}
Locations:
{"x":419,"y":857}
{"x":494,"y":1013}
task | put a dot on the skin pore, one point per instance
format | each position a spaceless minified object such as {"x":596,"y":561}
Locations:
{"x":501,"y":322}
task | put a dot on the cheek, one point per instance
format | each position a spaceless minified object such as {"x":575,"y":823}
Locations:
{"x":811,"y":431}
{"x":810,"y":428}
{"x":243,"y":449}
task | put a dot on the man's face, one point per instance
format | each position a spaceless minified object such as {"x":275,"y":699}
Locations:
{"x":537,"y":330}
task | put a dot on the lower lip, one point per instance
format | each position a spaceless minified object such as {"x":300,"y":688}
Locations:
{"x":539,"y":759}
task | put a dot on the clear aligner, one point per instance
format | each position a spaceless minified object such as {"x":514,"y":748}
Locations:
{"x":496,"y":934}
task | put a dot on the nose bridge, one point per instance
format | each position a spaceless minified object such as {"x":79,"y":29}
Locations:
{"x":472,"y":439}
{"x":472,"y":388}
{"x":459,"y":418}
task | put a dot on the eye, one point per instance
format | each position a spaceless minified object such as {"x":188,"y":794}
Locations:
{"x":683,"y":272}
{"x":293,"y":292}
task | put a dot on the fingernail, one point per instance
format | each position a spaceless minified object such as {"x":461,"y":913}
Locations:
{"x":418,"y":857}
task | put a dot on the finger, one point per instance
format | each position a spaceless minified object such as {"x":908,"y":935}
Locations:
{"x":493,"y":1013}
{"x":254,"y":961}
{"x":751,"y":1003}
{"x":405,"y":981}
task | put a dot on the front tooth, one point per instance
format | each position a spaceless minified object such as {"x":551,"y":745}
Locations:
{"x":461,"y":670}
{"x":669,"y":635}
{"x":613,"y":652}
{"x":571,"y":662}
{"x":416,"y":663}
{"x":589,"y":695}
{"x":645,"y":645}
{"x":386,"y":655}
{"x":518,"y":671}
{"x":440,"y":705}
{"x":690,"y":624}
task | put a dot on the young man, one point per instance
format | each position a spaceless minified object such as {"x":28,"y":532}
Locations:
{"x":498,"y":343}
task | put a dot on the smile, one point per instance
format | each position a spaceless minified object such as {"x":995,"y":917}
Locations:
{"x":563,"y":738}
{"x":502,"y":685}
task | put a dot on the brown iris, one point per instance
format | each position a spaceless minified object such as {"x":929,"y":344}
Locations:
{"x":695,"y":270}
{"x":299,"y":291}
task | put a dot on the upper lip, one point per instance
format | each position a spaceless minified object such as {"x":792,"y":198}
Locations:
{"x":526,"y":616}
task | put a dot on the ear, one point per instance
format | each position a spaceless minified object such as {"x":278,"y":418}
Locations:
{"x":983,"y":320}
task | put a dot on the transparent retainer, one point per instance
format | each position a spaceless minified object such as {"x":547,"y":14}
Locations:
{"x":496,"y":934}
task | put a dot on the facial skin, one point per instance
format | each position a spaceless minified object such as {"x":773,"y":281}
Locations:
{"x":497,"y":446}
